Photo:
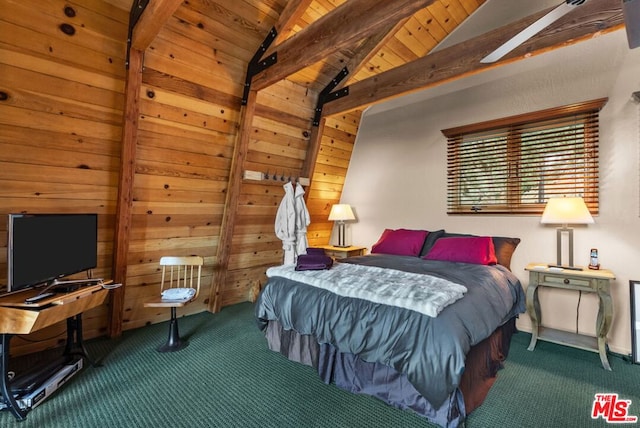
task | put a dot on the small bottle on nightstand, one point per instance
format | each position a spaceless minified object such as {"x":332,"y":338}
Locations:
{"x":593,"y":259}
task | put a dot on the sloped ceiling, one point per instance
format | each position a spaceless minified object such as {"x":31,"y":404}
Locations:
{"x":491,"y":15}
{"x":389,"y":48}
{"x":396,"y":43}
{"x":427,"y":43}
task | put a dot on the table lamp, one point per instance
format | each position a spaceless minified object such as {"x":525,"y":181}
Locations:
{"x":340,"y":213}
{"x":566,"y":211}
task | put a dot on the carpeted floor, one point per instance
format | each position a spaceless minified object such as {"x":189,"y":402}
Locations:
{"x":227,"y":377}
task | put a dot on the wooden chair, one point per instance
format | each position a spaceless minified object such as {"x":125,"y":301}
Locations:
{"x":181,"y":274}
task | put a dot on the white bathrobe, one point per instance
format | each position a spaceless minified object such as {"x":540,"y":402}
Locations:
{"x":302,"y":221}
{"x":291,"y":224}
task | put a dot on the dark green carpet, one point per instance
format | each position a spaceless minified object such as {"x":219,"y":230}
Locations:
{"x":228,"y":378}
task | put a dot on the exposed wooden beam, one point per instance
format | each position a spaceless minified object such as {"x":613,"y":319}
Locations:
{"x":125,"y":189}
{"x":240,"y":150}
{"x":589,"y":20}
{"x":369,"y":48}
{"x":288,"y":18}
{"x":154,"y":17}
{"x":362,"y":55}
{"x":312,"y":151}
{"x":340,"y":28}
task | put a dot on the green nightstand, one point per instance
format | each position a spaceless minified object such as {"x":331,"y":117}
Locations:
{"x":586,"y":280}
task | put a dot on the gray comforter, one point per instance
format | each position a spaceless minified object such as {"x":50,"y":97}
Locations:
{"x":430,"y":351}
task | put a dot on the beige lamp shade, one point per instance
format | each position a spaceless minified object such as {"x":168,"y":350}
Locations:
{"x":341,"y":212}
{"x":566,"y":211}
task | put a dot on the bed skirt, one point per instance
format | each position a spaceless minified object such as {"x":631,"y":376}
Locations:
{"x":350,"y":373}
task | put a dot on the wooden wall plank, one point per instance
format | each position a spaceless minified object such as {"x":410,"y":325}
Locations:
{"x":27,"y":85}
{"x":214,"y":20}
{"x":35,"y":138}
{"x":60,"y":50}
{"x":48,"y":22}
{"x":50,"y":67}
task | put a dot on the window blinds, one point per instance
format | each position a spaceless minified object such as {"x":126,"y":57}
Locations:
{"x":513,"y":165}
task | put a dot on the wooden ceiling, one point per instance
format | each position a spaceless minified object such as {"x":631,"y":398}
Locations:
{"x":385,"y":45}
{"x":396,"y":43}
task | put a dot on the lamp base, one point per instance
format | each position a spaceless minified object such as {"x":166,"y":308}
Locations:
{"x":559,"y":232}
{"x":341,"y":235}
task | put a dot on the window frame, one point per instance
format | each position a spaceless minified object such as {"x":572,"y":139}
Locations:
{"x":510,"y":130}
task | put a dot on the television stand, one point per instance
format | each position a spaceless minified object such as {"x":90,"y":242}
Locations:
{"x":18,"y":317}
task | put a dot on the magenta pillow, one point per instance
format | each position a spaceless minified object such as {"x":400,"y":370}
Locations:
{"x":469,"y":249}
{"x":400,"y":242}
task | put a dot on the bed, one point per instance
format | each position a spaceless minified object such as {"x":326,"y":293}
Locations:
{"x":424,"y":322}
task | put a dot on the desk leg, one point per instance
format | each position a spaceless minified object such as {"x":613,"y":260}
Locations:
{"x":75,"y":343}
{"x":605,"y":313}
{"x":533,"y":309}
{"x":6,"y":384}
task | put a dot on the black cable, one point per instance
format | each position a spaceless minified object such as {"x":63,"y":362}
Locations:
{"x":578,"y":309}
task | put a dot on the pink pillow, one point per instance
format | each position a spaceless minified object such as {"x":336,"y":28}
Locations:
{"x":469,"y":249}
{"x":400,"y":242}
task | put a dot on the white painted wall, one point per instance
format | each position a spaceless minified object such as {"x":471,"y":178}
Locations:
{"x":397,"y":175}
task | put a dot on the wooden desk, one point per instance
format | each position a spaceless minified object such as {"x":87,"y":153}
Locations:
{"x":18,"y":317}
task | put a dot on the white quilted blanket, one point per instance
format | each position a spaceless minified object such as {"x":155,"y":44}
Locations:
{"x":421,"y":293}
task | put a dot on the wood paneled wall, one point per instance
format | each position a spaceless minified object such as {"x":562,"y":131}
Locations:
{"x":189,"y":106}
{"x":61,"y":130}
{"x":338,"y":138}
{"x":62,"y":68}
{"x":279,"y":136}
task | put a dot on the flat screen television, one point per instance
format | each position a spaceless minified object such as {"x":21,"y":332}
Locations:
{"x":42,"y":248}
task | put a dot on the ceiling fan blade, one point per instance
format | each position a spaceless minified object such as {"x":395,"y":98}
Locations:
{"x":532,"y":30}
{"x":631,"y":11}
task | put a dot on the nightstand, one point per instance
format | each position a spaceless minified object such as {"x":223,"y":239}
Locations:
{"x":588,"y":281}
{"x":343,"y":252}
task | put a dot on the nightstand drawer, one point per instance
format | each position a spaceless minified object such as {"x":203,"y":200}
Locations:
{"x":557,"y":280}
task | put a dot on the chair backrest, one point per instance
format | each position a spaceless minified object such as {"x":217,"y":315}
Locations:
{"x":181,"y":272}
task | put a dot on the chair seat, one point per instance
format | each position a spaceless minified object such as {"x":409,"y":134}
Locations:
{"x":161,"y":303}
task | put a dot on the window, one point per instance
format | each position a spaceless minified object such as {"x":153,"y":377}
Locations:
{"x":513,"y":165}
